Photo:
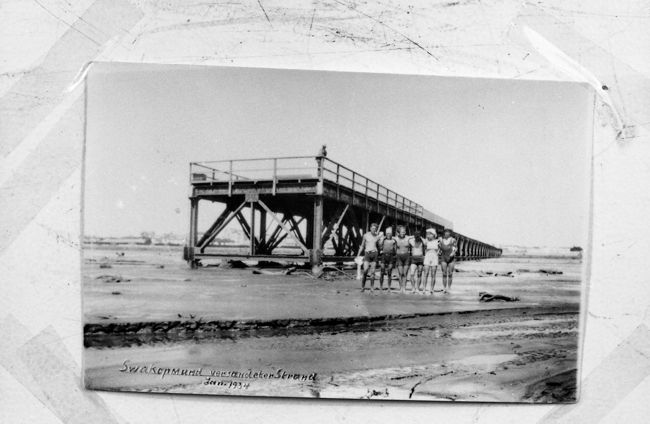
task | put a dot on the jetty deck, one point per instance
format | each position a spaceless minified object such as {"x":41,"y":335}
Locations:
{"x":302,"y":208}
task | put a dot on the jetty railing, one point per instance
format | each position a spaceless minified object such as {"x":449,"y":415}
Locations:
{"x":300,"y":168}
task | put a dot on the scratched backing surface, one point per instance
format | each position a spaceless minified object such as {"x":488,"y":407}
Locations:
{"x":45,"y":43}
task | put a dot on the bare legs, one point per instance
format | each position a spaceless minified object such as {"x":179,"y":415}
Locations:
{"x":443,"y":267}
{"x":368,"y":266}
{"x":364,"y":275}
{"x":417,"y":274}
{"x":450,"y":274}
{"x":402,"y":271}
{"x":447,"y":275}
{"x":387,"y":269}
{"x":430,"y":270}
{"x":416,"y":277}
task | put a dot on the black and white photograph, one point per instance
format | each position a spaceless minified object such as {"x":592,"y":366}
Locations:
{"x":320,"y":234}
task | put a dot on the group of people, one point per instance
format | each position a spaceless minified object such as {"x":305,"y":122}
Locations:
{"x":416,"y":258}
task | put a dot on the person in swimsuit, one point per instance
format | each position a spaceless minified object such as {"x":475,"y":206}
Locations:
{"x":447,"y":259}
{"x":431,"y":258}
{"x":388,"y":247}
{"x":402,"y":256}
{"x":370,"y":251}
{"x":417,"y":261}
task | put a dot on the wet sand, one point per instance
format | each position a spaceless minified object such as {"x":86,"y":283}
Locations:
{"x":441,"y":347}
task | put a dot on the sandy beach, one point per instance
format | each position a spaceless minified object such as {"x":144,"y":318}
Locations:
{"x":152,"y":324}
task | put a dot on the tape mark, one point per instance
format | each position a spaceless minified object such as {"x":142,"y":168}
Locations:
{"x":14,"y":335}
{"x":81,"y":75}
{"x":570,"y":67}
{"x":32,"y":185}
{"x":43,"y":366}
{"x":10,"y":163}
{"x":42,"y":117}
{"x":62,"y":387}
{"x":38,"y":92}
{"x":629,"y":362}
{"x":569,"y":53}
{"x":15,"y":159}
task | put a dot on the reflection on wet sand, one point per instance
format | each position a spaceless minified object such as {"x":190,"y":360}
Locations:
{"x":388,"y":346}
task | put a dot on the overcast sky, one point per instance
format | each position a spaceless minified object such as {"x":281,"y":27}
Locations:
{"x":507,"y":161}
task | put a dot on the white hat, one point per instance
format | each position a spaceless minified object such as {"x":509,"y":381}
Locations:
{"x":432,"y":231}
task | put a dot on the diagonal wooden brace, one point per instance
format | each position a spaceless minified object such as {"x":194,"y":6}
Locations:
{"x":331,"y":230}
{"x":284,"y":227}
{"x":248,"y":231}
{"x":283,"y":236}
{"x":217,"y":223}
{"x":220,"y":228}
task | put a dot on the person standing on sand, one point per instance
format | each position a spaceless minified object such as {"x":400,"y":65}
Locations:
{"x":431,"y":258}
{"x":370,"y":251}
{"x":402,"y":256}
{"x":447,"y":259}
{"x":388,"y":247}
{"x":417,"y":261}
